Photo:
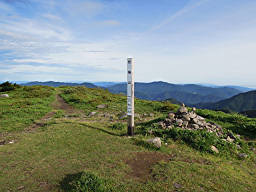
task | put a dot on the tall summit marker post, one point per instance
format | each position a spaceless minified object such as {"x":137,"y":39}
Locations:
{"x":130,"y":96}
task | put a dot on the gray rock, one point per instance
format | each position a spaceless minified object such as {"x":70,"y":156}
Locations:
{"x":102,"y":106}
{"x":182,"y":110}
{"x":194,"y":109}
{"x":192,"y":115}
{"x":155,"y":141}
{"x":92,"y":113}
{"x":2,"y":142}
{"x":186,"y":117}
{"x":179,"y":122}
{"x":171,"y":115}
{"x":214,"y":149}
{"x":4,"y":95}
{"x":177,"y":185}
{"x":195,"y":126}
{"x":243,"y":155}
{"x":185,"y":124}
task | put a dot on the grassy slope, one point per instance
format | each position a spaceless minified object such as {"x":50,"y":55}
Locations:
{"x":25,"y":105}
{"x":42,"y":161}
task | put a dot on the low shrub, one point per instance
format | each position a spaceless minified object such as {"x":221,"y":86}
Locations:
{"x":88,"y":182}
{"x":7,"y":86}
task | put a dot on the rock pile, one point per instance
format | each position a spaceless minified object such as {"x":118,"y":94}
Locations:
{"x":190,"y":121}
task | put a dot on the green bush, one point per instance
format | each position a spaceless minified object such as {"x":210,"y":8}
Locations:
{"x":88,"y":182}
{"x":7,"y":86}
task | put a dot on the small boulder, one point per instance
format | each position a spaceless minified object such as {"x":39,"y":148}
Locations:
{"x":2,"y":142}
{"x":185,"y":124}
{"x":92,"y":113}
{"x":243,"y":155}
{"x":195,"y":126}
{"x":171,"y":115}
{"x":151,"y":114}
{"x":155,"y":141}
{"x":192,"y":115}
{"x":214,"y":149}
{"x":186,"y":117}
{"x":193,"y":109}
{"x":179,"y":122}
{"x":4,"y":95}
{"x":102,"y":106}
{"x":182,"y":110}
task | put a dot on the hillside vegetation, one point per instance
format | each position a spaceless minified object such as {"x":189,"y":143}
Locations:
{"x":239,"y":103}
{"x":82,"y":146}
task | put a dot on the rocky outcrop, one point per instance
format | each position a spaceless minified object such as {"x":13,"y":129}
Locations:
{"x":155,"y":141}
{"x":191,"y":121}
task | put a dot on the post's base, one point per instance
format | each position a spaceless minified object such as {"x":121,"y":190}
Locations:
{"x":130,"y":131}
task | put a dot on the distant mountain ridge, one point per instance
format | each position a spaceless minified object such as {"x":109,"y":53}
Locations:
{"x":188,"y":93}
{"x":58,"y":84}
{"x":243,"y":102}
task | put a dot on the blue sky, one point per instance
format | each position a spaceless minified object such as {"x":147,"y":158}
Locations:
{"x":178,"y":41}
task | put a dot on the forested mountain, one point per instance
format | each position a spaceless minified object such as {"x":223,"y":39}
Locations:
{"x":240,"y":103}
{"x":58,"y":84}
{"x":189,"y":93}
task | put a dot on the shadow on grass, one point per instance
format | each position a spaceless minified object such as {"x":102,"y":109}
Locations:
{"x":103,"y":130}
{"x":66,"y":183}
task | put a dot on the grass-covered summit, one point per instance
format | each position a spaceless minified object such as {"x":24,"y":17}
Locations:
{"x":74,"y":139}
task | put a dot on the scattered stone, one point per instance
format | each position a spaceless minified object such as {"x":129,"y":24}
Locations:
{"x":11,"y":142}
{"x":192,"y":115}
{"x":171,"y":115}
{"x":214,"y":149}
{"x":179,"y":122}
{"x":151,"y":114}
{"x":243,"y":155}
{"x":185,"y":124}
{"x":155,"y":141}
{"x":182,"y":110}
{"x":194,"y":109}
{"x":186,"y":117}
{"x":102,"y":106}
{"x":92,"y":113}
{"x":21,"y":187}
{"x":195,"y":126}
{"x":2,"y":142}
{"x":238,"y":146}
{"x":4,"y":95}
{"x":177,"y":185}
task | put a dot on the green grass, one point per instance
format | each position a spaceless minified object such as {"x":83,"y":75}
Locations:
{"x":68,"y":148}
{"x":237,"y":123}
{"x":88,"y":99}
{"x":25,"y":105}
{"x":63,"y":149}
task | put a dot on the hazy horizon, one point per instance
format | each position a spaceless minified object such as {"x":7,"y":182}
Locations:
{"x":180,"y":41}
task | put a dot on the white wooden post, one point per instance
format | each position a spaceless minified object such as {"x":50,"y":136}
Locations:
{"x":130,"y":96}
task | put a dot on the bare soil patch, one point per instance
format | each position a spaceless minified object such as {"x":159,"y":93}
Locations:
{"x":60,"y":104}
{"x":142,"y":163}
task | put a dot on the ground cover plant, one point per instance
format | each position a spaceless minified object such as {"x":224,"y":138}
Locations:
{"x":24,"y":106}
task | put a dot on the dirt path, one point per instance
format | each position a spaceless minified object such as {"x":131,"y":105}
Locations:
{"x":58,"y":104}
